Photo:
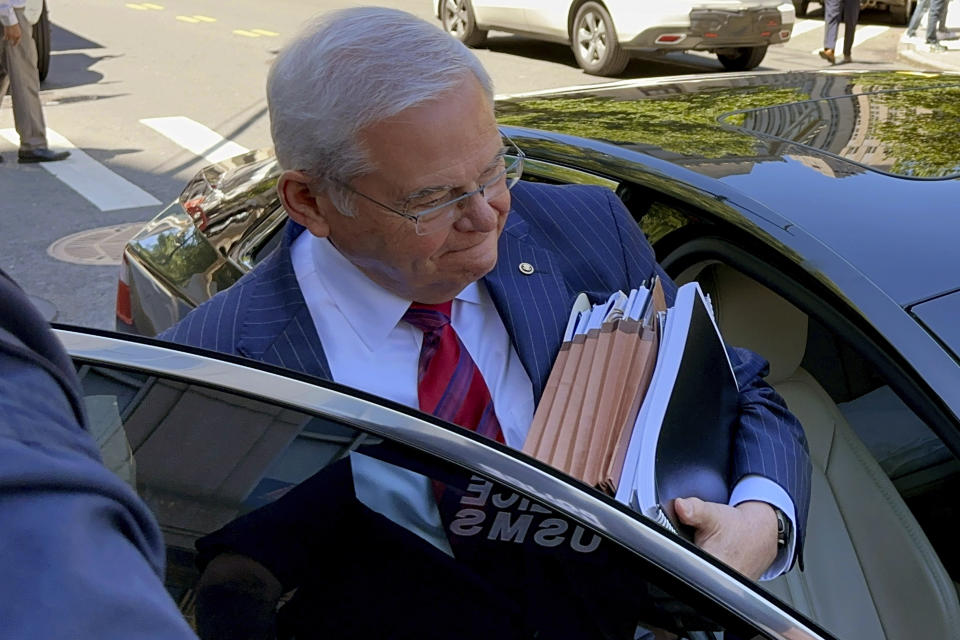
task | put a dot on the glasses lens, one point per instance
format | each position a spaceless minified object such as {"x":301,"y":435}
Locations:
{"x":439,"y":218}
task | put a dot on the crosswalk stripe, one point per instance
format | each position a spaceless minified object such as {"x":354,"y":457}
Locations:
{"x":105,"y":189}
{"x":803,"y":26}
{"x":195,"y":137}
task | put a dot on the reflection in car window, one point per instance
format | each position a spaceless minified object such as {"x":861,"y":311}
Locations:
{"x":283,"y":524}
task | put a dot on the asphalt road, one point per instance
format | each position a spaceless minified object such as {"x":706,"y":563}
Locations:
{"x":147,"y":93}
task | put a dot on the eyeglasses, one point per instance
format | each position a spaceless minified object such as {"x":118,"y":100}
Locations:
{"x":433,"y":212}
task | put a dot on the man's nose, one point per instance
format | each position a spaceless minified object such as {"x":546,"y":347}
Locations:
{"x":477,"y":214}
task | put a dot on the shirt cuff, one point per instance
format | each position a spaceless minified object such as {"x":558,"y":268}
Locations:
{"x":757,"y":487}
{"x":8,"y":17}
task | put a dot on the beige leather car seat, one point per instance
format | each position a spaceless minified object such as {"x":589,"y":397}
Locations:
{"x":870,"y":571}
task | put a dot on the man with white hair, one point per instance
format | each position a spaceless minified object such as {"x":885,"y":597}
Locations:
{"x":412,"y":241}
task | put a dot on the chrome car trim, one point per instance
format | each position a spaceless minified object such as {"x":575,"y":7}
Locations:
{"x":560,"y":173}
{"x":617,"y":524}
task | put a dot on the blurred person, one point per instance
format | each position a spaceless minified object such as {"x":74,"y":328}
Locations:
{"x":412,"y":236}
{"x":834,"y":11}
{"x":18,"y":71}
{"x":936,"y":11}
{"x":80,"y":555}
{"x":921,"y":9}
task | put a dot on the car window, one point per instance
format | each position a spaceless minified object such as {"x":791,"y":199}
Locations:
{"x":283,"y":521}
{"x":878,"y":465}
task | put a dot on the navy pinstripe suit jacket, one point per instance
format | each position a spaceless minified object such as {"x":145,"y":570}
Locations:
{"x":579,"y":239}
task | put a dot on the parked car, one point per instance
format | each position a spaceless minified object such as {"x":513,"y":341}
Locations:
{"x":899,"y":10}
{"x":604,"y":34}
{"x":817,"y":209}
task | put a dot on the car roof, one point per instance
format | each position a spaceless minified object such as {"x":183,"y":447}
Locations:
{"x":865,"y":162}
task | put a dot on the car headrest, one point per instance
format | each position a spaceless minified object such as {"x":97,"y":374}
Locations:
{"x":752,"y":316}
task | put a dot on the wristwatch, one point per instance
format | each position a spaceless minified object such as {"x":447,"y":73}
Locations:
{"x":783,"y":528}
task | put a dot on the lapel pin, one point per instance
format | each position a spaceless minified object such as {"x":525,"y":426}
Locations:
{"x":526,"y":268}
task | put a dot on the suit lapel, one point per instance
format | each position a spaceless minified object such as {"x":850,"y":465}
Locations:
{"x":534,"y":307}
{"x":277,"y":327}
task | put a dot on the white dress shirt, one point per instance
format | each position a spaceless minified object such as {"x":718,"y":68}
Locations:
{"x":32,"y":9}
{"x":369,"y":347}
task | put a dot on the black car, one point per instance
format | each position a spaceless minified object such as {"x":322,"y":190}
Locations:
{"x":818,"y":209}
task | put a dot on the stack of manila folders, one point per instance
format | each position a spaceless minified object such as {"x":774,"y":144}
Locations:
{"x":641,"y":402}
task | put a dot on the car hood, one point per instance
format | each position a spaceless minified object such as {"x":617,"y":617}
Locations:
{"x":866,"y":163}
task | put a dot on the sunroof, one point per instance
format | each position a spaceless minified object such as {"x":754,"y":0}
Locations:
{"x":912,"y":133}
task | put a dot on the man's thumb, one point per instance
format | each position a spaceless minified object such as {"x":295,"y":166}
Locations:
{"x":689,"y":510}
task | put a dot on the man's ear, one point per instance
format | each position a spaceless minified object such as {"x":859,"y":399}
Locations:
{"x":302,"y":205}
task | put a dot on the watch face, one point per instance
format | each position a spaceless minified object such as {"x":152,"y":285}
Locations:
{"x":783,"y":526}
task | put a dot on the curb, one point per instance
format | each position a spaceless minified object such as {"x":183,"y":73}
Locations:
{"x":947,"y":61}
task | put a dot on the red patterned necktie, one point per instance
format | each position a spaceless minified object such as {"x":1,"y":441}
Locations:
{"x":449,"y":384}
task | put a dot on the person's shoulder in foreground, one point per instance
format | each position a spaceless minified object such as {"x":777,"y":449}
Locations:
{"x":83,"y":557}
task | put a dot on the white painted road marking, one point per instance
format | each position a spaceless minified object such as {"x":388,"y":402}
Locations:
{"x":195,"y":137}
{"x":102,"y":187}
{"x":802,"y":26}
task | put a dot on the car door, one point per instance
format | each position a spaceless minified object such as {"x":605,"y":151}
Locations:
{"x":308,"y":509}
{"x":509,"y":15}
{"x":548,"y":17}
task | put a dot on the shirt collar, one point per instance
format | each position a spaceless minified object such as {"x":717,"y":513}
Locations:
{"x":372,"y":310}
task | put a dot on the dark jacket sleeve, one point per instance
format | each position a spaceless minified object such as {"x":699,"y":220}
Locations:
{"x":603,"y":249}
{"x":770,"y":441}
{"x":82,"y":555}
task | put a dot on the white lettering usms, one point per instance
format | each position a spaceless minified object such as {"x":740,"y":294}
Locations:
{"x":514,"y":519}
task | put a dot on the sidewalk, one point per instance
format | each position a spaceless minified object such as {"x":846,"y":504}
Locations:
{"x":917,"y":53}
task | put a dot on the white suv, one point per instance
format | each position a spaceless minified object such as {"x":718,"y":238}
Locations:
{"x":603,"y":34}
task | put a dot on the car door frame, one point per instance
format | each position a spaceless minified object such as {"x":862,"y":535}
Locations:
{"x":736,"y":595}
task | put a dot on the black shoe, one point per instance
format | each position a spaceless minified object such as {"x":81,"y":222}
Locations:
{"x":42,"y":155}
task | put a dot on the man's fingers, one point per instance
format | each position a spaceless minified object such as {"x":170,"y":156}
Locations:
{"x":12,"y":34}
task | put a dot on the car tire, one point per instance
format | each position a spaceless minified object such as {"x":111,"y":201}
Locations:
{"x":901,"y":14}
{"x":594,"y":42}
{"x":741,"y":58}
{"x":458,"y":20}
{"x":800,"y":7}
{"x":41,"y":38}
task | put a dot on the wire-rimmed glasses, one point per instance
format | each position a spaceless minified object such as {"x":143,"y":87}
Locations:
{"x":433,"y":212}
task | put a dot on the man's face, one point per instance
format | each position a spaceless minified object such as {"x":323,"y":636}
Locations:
{"x":441,"y":147}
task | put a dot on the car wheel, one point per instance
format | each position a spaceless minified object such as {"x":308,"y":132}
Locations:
{"x":901,"y":14}
{"x":458,"y":21}
{"x":800,"y":7}
{"x":741,"y":58}
{"x":41,"y":37}
{"x":594,"y":42}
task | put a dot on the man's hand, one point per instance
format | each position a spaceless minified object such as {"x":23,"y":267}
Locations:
{"x":744,"y":537}
{"x":12,"y":34}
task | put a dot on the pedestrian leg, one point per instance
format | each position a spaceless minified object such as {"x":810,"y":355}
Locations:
{"x":937,"y":8}
{"x":21,"y":67}
{"x":832,"y":10}
{"x":918,"y":11}
{"x":851,"y":15}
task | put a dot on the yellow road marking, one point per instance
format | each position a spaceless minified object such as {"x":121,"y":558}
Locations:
{"x":187,"y":19}
{"x":205,"y":18}
{"x":150,"y":5}
{"x":246,"y":34}
{"x":264,"y":32}
{"x":130,"y":5}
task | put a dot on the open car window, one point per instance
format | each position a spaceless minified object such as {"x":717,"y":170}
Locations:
{"x":281,"y":520}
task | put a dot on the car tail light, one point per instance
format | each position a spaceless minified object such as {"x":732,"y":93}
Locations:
{"x":124,"y":312}
{"x":785,"y":34}
{"x":670,"y":38}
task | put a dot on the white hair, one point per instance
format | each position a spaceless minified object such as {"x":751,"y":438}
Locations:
{"x":347,"y":70}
